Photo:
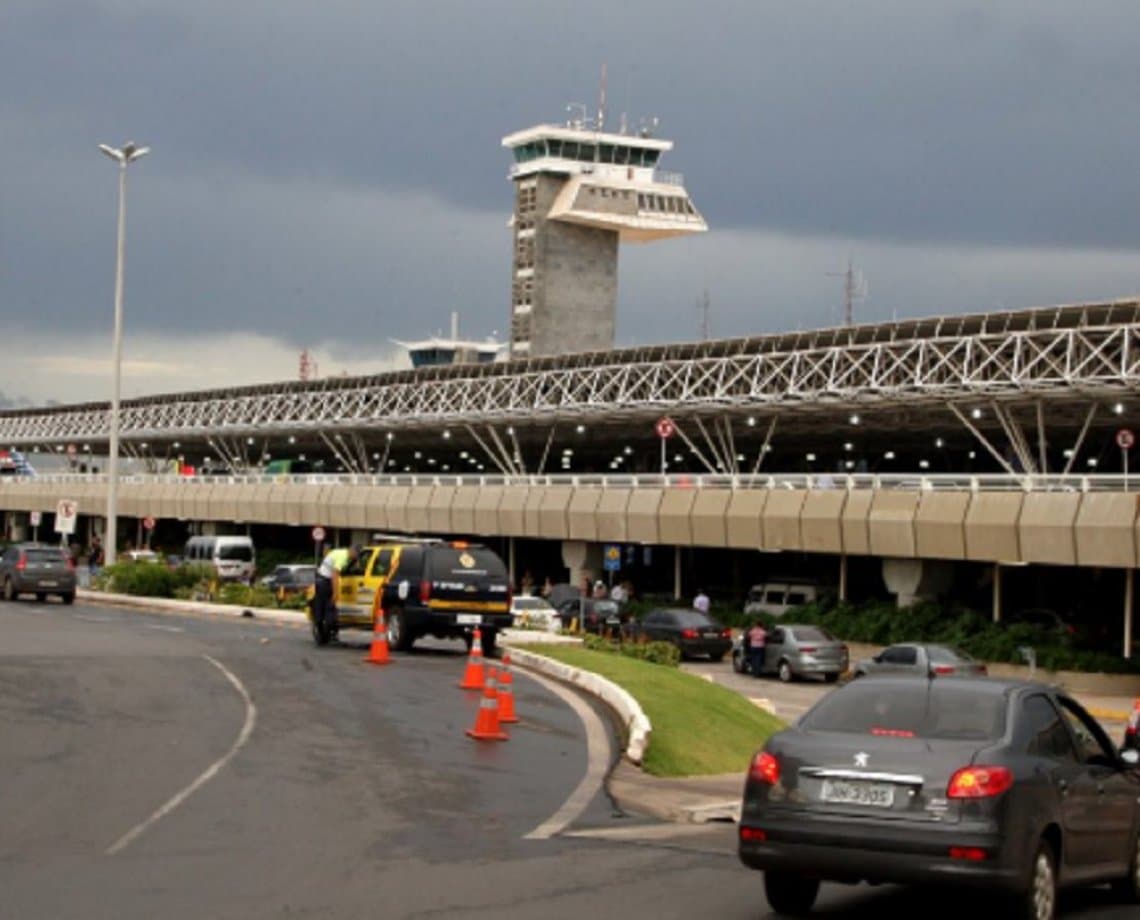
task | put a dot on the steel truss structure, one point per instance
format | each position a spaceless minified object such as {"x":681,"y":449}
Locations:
{"x":1084,"y":351}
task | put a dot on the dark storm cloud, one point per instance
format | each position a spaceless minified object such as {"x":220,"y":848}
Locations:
{"x":333,"y":170}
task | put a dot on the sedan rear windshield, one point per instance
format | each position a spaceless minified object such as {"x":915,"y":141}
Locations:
{"x":45,"y":555}
{"x":466,"y":564}
{"x":937,"y":709}
{"x":692,"y":619}
{"x":942,"y":654}
{"x":811,"y":634}
{"x":235,"y":553}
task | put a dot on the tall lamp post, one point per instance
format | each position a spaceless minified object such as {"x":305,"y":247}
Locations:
{"x":124,"y":155}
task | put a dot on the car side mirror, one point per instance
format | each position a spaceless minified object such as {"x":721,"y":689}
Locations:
{"x":1130,"y":757}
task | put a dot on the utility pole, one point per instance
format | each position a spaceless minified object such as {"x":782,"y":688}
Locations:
{"x":703,"y":305}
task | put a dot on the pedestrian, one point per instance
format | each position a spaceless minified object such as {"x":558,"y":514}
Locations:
{"x":526,"y":586}
{"x":600,"y":592}
{"x":95,"y":556}
{"x":547,"y":587}
{"x":327,"y":588}
{"x":617,"y":593}
{"x":701,"y":601}
{"x":756,"y":639}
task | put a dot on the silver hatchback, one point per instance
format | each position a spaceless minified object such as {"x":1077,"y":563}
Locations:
{"x":32,"y":568}
{"x":796,"y":650}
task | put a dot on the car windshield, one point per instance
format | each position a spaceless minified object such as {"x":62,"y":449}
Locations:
{"x":235,"y":553}
{"x":811,"y":634}
{"x":530,"y":603}
{"x":935,"y":709}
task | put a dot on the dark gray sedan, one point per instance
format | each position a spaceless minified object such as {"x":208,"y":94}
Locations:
{"x":919,"y":660}
{"x":693,"y":632}
{"x":32,"y":568}
{"x":1001,"y":785}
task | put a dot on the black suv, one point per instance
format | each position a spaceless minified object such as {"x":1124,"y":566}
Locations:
{"x":446,"y":590}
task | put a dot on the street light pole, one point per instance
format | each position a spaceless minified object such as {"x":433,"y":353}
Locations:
{"x":128,"y":153}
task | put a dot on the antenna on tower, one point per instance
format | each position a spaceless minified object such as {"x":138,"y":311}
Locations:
{"x":854,"y":291}
{"x":602,"y":101}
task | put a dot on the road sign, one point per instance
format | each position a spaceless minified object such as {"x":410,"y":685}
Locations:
{"x":34,"y":518}
{"x":611,"y":557}
{"x":65,"y":514}
{"x":665,"y":427}
{"x":318,"y":534}
{"x":1125,"y":439}
{"x":148,"y":523}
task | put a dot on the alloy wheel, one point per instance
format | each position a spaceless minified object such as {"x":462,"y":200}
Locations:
{"x":1044,"y":887}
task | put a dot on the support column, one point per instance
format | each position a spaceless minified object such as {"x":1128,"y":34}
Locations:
{"x":997,"y":592}
{"x":511,"y":561}
{"x":676,"y":573}
{"x":1129,"y":577}
{"x":843,"y":578}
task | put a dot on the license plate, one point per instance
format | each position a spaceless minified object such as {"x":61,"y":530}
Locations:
{"x":468,"y":619}
{"x":841,"y":792}
{"x":44,"y":583}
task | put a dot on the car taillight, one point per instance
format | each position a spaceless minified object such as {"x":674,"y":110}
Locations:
{"x":982,"y":669}
{"x":754,"y":834}
{"x":22,"y":563}
{"x":970,"y":854}
{"x":425,"y":591}
{"x":765,"y":768}
{"x":688,"y":634}
{"x":726,"y":633}
{"x":979,"y":782}
{"x":880,"y":732}
{"x":943,"y":669}
{"x":808,"y":649}
{"x":70,"y":562}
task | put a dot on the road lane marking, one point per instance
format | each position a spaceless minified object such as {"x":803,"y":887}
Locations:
{"x":176,"y":629}
{"x":89,"y":619}
{"x":212,"y":771}
{"x":597,"y":762}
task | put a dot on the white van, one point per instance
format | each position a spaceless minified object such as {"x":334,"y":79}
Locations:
{"x":233,"y":558}
{"x":777,"y":597}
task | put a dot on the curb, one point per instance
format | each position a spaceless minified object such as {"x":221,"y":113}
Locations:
{"x":635,"y":721}
{"x":288,"y":617}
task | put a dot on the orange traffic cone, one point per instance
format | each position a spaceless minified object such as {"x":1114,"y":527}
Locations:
{"x":378,"y":654}
{"x":1132,"y":730}
{"x":474,"y":677}
{"x":506,"y":691}
{"x":487,"y":726}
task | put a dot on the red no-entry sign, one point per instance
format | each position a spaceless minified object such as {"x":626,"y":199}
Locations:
{"x":665,"y":427}
{"x":1125,"y":439}
{"x":318,"y":534}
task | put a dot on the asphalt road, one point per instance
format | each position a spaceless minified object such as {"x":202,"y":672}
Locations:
{"x":163,"y":766}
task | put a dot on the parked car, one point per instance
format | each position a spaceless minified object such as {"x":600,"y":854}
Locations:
{"x":1042,"y":618}
{"x":528,"y":612}
{"x":795,"y":650}
{"x":693,"y":632}
{"x":140,"y":555}
{"x":291,"y":580}
{"x":595,"y":616}
{"x":921,"y":660}
{"x":1004,"y":786}
{"x":446,"y":590}
{"x":777,"y":596}
{"x":33,"y":568}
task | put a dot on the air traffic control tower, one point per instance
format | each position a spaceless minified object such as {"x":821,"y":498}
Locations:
{"x":578,"y":193}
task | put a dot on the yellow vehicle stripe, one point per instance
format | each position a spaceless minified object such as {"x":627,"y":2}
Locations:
{"x":489,"y":606}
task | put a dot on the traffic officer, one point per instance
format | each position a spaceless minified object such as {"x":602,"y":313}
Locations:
{"x":327,"y":587}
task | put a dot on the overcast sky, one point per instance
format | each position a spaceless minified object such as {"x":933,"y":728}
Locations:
{"x":329,"y":174}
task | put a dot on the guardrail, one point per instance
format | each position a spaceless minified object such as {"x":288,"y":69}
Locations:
{"x":942,"y":482}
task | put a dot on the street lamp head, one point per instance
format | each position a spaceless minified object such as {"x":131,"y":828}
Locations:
{"x":126,"y":154}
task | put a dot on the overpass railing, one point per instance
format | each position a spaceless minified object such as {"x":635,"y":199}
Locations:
{"x":939,"y":482}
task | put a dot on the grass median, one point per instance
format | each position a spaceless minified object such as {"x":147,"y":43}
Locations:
{"x":699,"y":728}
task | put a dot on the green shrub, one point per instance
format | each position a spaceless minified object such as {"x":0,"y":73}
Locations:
{"x":881,"y":623}
{"x":654,"y":652}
